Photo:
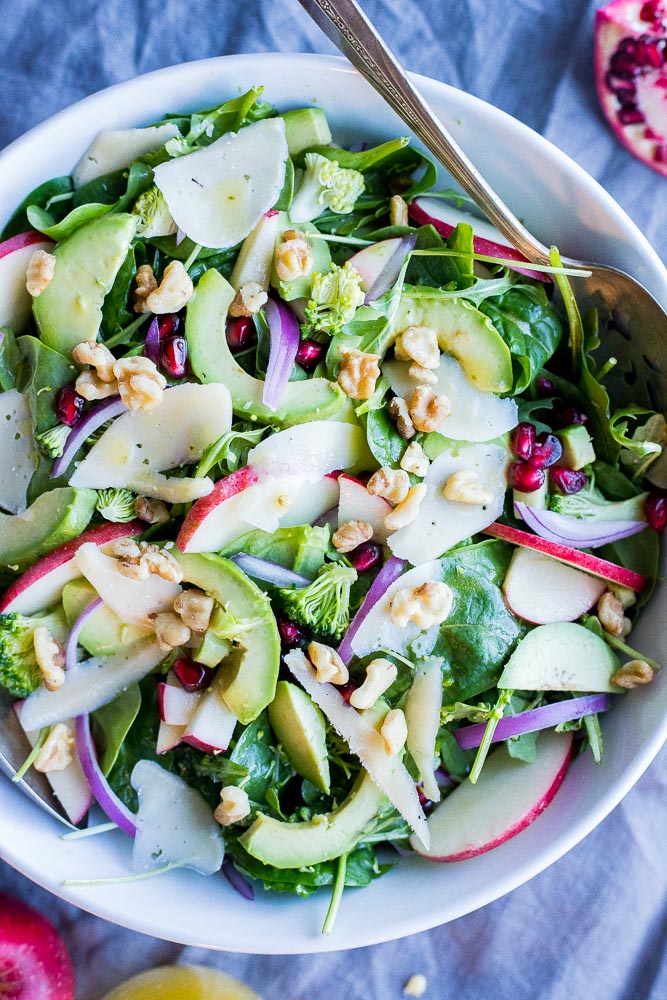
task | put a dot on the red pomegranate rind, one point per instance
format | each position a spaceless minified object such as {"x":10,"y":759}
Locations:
{"x":34,"y":961}
{"x":631,"y":76}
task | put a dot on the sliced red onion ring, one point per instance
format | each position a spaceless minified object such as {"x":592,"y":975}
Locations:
{"x":579,"y":533}
{"x":71,"y":662}
{"x":284,"y":338}
{"x":152,"y":342}
{"x":391,"y":571}
{"x":390,"y":272}
{"x":237,"y":880}
{"x":180,"y":236}
{"x":270,"y":572}
{"x":105,"y":796}
{"x":98,"y":415}
{"x":544,"y":717}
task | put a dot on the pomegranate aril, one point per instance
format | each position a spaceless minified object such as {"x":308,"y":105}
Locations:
{"x":241,"y":333}
{"x":546,"y":452}
{"x":347,"y":690}
{"x":525,"y":478}
{"x":289,"y":631}
{"x":566,"y":414}
{"x":69,"y":406}
{"x":568,"y":480}
{"x":544,"y":386}
{"x":168,"y":325}
{"x":655,"y":510}
{"x":309,"y":353}
{"x":523,"y":440}
{"x":192,"y":675}
{"x":174,"y":356}
{"x":366,"y":556}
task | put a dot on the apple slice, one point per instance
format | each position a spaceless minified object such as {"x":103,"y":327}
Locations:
{"x":114,"y":149}
{"x":218,"y":194}
{"x":212,"y":726}
{"x":255,"y":258}
{"x":169,"y":736}
{"x":176,"y":705}
{"x":17,"y":448}
{"x":215,"y":520}
{"x":542,"y":590}
{"x":42,"y":585}
{"x":422,"y":714}
{"x":15,"y":301}
{"x":312,"y":502}
{"x":573,"y":557}
{"x":561,"y":656}
{"x":507,"y":798}
{"x":69,"y":785}
{"x":357,"y":504}
{"x":132,"y":600}
{"x":487,"y":239}
{"x":34,"y":962}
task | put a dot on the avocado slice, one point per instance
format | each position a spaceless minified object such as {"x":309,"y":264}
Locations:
{"x":249,"y":679}
{"x":69,"y":309}
{"x":327,"y":836}
{"x":212,"y":649}
{"x":212,"y":361}
{"x":465,"y":333}
{"x":299,"y":725}
{"x":577,"y":445}
{"x":300,"y":288}
{"x":52,"y":520}
{"x":306,"y":127}
{"x":104,"y":633}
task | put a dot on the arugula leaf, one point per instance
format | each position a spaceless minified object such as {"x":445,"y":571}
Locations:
{"x":362,"y":160}
{"x":523,"y":747}
{"x":205,"y":127}
{"x":45,"y":197}
{"x":230,"y":451}
{"x":640,"y":445}
{"x":302,"y":548}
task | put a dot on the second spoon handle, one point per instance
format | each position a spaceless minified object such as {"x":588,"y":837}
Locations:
{"x":346,"y":25}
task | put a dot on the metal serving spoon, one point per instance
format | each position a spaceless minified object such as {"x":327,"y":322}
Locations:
{"x":636,"y":324}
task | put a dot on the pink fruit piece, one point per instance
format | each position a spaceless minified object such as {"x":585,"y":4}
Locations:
{"x":631,"y":76}
{"x":525,"y":478}
{"x":174,"y":356}
{"x":34,"y":962}
{"x":543,"y":590}
{"x":69,"y":405}
{"x":568,"y":480}
{"x":523,"y":440}
{"x":290,"y":633}
{"x":366,"y":556}
{"x":309,"y":353}
{"x":192,"y":675}
{"x":546,"y":451}
{"x":240,"y":333}
{"x":655,"y":509}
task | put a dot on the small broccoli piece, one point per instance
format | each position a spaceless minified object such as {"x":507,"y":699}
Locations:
{"x":19,"y":672}
{"x":335,"y":297}
{"x":116,"y":505}
{"x":590,"y":502}
{"x":323,"y":606}
{"x":52,"y":442}
{"x":325,"y":185}
{"x":155,"y":219}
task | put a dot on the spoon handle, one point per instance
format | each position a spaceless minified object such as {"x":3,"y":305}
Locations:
{"x":346,"y":25}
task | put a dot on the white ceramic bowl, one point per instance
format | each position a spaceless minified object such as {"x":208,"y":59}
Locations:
{"x":562,"y":205}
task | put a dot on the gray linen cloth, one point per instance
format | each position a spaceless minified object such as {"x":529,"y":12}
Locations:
{"x":593,"y":925}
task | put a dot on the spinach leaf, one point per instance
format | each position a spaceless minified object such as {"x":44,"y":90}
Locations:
{"x":266,"y":764}
{"x":205,"y":127}
{"x":433,"y":271}
{"x":139,"y":744}
{"x":10,"y":358}
{"x":115,"y":313}
{"x":523,"y":747}
{"x":119,"y":189}
{"x":41,"y":374}
{"x":529,"y":325}
{"x":114,"y":721}
{"x":45,"y":197}
{"x":302,"y":548}
{"x":384,"y":441}
{"x":45,"y":223}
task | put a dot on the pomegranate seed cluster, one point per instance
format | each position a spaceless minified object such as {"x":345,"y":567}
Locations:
{"x":537,"y":455}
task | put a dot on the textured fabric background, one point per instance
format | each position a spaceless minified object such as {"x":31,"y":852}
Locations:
{"x":594,"y":925}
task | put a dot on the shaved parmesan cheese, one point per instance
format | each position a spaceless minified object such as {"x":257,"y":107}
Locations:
{"x":114,"y":149}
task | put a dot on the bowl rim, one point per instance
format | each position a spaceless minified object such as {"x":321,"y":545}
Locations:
{"x":398,"y":926}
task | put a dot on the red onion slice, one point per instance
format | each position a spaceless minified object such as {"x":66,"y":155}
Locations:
{"x":98,"y":415}
{"x":390,"y":272}
{"x":71,"y":662}
{"x":270,"y":572}
{"x":237,"y":880}
{"x":544,"y":717}
{"x":391,"y":571}
{"x":152,"y":342}
{"x":579,"y":533}
{"x":284,"y":338}
{"x":105,"y":796}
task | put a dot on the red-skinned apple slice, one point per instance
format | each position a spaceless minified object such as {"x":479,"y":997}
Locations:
{"x":34,"y":962}
{"x":216,"y":516}
{"x":507,"y":798}
{"x":169,"y":736}
{"x":573,"y":557}
{"x":42,"y":585}
{"x":544,"y":590}
{"x":212,"y":725}
{"x":487,"y":240}
{"x":15,"y":254}
{"x":357,"y":504}
{"x":176,"y":705}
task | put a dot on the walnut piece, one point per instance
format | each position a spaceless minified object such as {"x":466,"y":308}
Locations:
{"x":145,"y":284}
{"x":56,"y":752}
{"x":420,"y":344}
{"x":99,"y":357}
{"x":428,"y":410}
{"x":140,"y":384}
{"x":392,"y":484}
{"x":399,"y":412}
{"x":406,"y":511}
{"x":380,"y":675}
{"x":329,"y":667}
{"x":195,"y":608}
{"x":426,"y":605}
{"x":170,"y":630}
{"x":419,"y":374}
{"x":633,"y":674}
{"x":293,"y":257}
{"x":174,"y":291}
{"x":612,"y":618}
{"x":40,"y":271}
{"x":234,"y":805}
{"x":464,"y":486}
{"x":139,"y":560}
{"x":398,"y":211}
{"x":394,"y":732}
{"x":91,"y":387}
{"x":152,"y":511}
{"x":358,"y":374}
{"x":50,"y":657}
{"x":248,"y":300}
{"x":351,"y":534}
{"x":415,"y":460}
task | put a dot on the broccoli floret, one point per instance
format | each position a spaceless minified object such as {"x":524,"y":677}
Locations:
{"x":52,"y":442}
{"x":323,"y":606}
{"x":590,"y":502}
{"x":116,"y":505}
{"x":155,"y":219}
{"x":19,"y":671}
{"x":325,"y":185}
{"x":334,"y":298}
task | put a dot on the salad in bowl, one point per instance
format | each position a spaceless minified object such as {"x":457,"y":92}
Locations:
{"x":322,"y":534}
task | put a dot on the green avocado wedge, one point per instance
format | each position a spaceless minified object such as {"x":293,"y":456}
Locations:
{"x":103,"y":634}
{"x":299,"y":725}
{"x":327,"y":836}
{"x":464,"y":332}
{"x":69,"y":310}
{"x":249,"y":677}
{"x":53,"y":519}
{"x":212,"y":361}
